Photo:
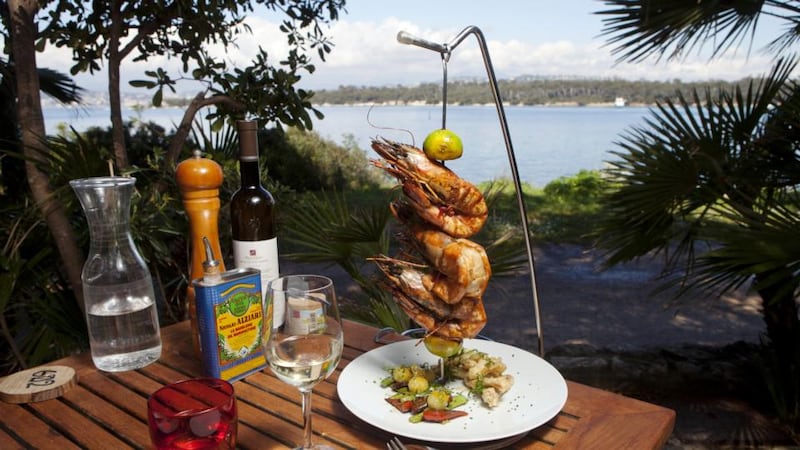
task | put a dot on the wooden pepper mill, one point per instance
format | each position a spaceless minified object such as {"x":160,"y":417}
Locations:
{"x":199,"y":180}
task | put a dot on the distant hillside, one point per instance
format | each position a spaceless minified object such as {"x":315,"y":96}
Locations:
{"x":522,"y":91}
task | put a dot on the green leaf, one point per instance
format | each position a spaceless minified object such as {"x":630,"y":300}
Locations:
{"x":158,"y":97}
{"x":142,"y":83}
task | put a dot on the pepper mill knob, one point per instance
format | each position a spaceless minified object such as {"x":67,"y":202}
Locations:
{"x":199,"y":180}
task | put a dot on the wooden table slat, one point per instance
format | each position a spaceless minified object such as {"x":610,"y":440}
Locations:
{"x":32,"y":430}
{"x":111,"y":415}
{"x":549,"y":433}
{"x":75,"y":424}
{"x":8,"y":442}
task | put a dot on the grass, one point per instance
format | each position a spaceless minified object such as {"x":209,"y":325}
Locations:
{"x":564,"y":211}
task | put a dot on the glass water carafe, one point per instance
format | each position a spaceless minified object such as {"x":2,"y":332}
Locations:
{"x":117,"y":288}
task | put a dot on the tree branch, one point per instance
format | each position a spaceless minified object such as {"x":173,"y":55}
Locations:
{"x":182,"y":132}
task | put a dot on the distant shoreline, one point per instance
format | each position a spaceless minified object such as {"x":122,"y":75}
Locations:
{"x":173,"y":104}
{"x":575,"y":92}
{"x":505,"y":105}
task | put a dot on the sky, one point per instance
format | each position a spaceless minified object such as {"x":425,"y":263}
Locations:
{"x":558,"y":38}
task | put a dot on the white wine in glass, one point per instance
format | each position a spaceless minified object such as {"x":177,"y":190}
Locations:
{"x":307,"y":345}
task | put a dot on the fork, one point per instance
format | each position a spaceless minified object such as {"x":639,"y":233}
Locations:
{"x":395,"y":444}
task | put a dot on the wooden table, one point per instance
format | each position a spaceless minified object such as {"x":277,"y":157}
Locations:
{"x":109,"y":410}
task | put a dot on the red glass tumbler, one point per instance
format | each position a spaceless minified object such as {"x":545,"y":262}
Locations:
{"x":195,"y":414}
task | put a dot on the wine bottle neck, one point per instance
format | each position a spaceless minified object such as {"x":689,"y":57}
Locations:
{"x":249,"y":172}
{"x":248,"y":153}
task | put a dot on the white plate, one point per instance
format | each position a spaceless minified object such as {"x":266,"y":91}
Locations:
{"x":538,"y":394}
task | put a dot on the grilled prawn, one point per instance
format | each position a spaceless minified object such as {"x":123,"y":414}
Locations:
{"x":463,"y":322}
{"x":460,"y":266}
{"x":436,"y":193}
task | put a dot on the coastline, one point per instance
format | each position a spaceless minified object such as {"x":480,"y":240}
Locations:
{"x":418,"y":103}
{"x":140,"y":105}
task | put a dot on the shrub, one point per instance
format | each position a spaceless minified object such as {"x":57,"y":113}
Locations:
{"x":304,"y":161}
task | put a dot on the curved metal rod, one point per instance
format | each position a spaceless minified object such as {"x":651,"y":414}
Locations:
{"x":446,"y":49}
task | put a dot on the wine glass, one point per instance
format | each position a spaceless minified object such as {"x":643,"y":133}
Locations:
{"x":305,"y":345}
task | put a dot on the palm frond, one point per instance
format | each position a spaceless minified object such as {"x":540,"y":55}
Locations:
{"x":59,"y":86}
{"x":638,"y":29}
{"x":689,"y":155}
{"x":507,"y":254}
{"x":52,"y":82}
{"x":788,"y":11}
{"x":329,"y":232}
{"x":326,"y":230}
{"x":763,"y":250}
{"x":224,"y":141}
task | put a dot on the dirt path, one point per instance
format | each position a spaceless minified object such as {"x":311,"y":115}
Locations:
{"x":614,"y":309}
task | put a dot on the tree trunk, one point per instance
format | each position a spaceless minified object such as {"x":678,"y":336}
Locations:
{"x":782,"y":358}
{"x":783,"y":326}
{"x":31,"y":120}
{"x":114,"y":95}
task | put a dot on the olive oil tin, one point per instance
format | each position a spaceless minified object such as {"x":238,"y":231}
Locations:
{"x":230,"y":317}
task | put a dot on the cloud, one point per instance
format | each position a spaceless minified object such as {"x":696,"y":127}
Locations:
{"x":366,"y":53}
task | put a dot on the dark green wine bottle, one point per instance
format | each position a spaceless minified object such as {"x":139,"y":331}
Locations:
{"x":255,"y":244}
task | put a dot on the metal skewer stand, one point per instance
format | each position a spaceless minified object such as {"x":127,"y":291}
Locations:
{"x":445,"y":50}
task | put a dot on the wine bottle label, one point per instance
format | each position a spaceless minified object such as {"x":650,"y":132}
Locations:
{"x":261,"y":255}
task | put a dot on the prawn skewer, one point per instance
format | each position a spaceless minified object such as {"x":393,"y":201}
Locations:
{"x":440,"y":210}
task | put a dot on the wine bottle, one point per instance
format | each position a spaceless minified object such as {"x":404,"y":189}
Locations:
{"x":255,"y":244}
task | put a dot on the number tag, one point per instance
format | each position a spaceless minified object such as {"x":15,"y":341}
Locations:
{"x":37,"y":384}
{"x":42,"y":378}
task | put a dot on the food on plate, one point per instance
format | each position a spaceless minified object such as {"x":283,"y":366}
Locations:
{"x":415,"y":389}
{"x":484,"y":375}
{"x":418,"y":384}
{"x":439,"y":276}
{"x":401,"y":375}
{"x":443,"y":144}
{"x":420,"y":396}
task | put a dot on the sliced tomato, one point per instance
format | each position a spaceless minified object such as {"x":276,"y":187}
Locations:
{"x":441,"y":415}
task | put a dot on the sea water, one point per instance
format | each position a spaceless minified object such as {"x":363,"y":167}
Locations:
{"x":123,"y":329}
{"x":549,"y":142}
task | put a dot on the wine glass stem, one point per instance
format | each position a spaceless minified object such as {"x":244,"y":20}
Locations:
{"x":306,"y":406}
